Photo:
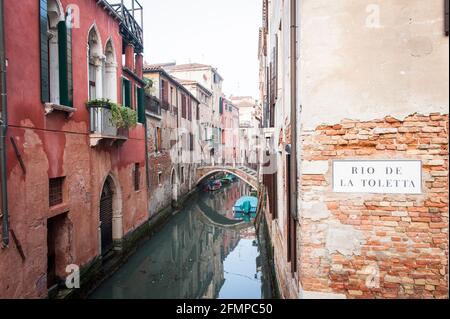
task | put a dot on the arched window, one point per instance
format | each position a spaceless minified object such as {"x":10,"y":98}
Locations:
{"x":56,"y":54}
{"x":96,"y":61}
{"x":110,"y":79}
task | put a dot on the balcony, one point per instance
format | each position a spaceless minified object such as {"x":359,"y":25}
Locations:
{"x":153,"y":106}
{"x":102,"y":127}
{"x":130,"y":12}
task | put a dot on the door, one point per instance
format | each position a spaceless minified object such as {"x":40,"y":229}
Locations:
{"x":106,"y":216}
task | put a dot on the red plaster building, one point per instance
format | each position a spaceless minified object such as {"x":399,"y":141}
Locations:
{"x":76,"y":184}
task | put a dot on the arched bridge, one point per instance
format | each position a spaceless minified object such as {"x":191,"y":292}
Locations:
{"x":246,"y":174}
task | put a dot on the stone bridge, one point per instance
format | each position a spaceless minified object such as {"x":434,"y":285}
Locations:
{"x":246,"y":174}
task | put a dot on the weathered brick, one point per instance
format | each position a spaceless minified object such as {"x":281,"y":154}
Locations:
{"x":409,"y":231}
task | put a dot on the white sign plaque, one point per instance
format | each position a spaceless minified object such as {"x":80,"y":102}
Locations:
{"x":378,"y":177}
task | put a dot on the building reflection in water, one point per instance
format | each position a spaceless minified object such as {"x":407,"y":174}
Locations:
{"x":191,"y":258}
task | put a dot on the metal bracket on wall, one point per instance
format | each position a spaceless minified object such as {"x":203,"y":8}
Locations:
{"x":18,"y":155}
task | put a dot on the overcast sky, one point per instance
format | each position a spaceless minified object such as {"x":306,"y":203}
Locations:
{"x":222,"y":33}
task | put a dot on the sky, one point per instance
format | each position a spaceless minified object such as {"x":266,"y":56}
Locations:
{"x":221,"y":33}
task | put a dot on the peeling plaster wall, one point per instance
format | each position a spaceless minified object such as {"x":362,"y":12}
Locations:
{"x":54,"y":146}
{"x":352,"y":67}
{"x":373,"y":84}
{"x":400,"y":242}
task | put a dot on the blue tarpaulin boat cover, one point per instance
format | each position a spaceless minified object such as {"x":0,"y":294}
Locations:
{"x":246,"y":204}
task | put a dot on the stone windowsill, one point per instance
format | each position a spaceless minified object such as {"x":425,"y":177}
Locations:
{"x":154,"y":115}
{"x":50,"y":107}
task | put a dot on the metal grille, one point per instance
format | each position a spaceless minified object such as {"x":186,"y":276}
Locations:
{"x":55,"y":195}
{"x":106,"y":214}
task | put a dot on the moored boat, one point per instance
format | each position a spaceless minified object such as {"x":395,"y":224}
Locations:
{"x":213,"y":186}
{"x":246,"y":205}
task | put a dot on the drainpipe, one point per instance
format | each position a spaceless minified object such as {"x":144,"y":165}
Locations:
{"x":147,"y":162}
{"x":293,"y":163}
{"x":3,"y":131}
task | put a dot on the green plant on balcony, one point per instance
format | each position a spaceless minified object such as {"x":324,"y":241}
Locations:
{"x":106,"y":103}
{"x":121,"y":116}
{"x":149,"y":89}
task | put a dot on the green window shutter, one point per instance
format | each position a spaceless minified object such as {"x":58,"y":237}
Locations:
{"x":127,"y":92}
{"x":45,"y":78}
{"x":65,"y":64}
{"x":69,"y":66}
{"x":141,"y":106}
{"x":220,"y":105}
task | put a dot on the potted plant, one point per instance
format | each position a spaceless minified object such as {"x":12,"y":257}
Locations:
{"x":123,"y":117}
{"x":105,"y":103}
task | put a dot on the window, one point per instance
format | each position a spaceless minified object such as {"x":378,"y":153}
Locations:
{"x":92,"y":81}
{"x":270,"y":179}
{"x":55,"y":194}
{"x":165,"y":94}
{"x":220,"y":105}
{"x":159,"y":178}
{"x":110,"y":75}
{"x":446,"y":18}
{"x":182,"y":175}
{"x":191,"y":141}
{"x":136,"y":177}
{"x":189,"y":110}
{"x":158,"y":140}
{"x":95,"y":65}
{"x":183,"y":106}
{"x":198,"y":113}
{"x":55,"y":53}
{"x":133,"y":94}
{"x":216,"y":78}
{"x":141,"y":105}
{"x":291,"y":223}
{"x":126,"y":92}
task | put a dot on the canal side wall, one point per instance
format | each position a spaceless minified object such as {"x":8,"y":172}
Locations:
{"x":376,"y":94}
{"x":286,"y":284}
{"x":271,"y":286}
{"x":100,"y":269}
{"x":43,"y":148}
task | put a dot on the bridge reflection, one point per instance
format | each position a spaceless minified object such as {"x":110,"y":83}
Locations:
{"x":186,"y":259}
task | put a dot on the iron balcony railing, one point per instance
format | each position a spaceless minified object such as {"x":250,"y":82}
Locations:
{"x":130,"y":11}
{"x":101,"y":123}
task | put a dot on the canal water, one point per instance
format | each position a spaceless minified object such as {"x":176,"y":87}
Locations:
{"x":198,"y":254}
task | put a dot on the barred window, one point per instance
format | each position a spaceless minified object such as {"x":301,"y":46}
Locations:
{"x":55,"y":195}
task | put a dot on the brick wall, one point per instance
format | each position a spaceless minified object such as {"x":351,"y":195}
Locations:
{"x":372,"y":245}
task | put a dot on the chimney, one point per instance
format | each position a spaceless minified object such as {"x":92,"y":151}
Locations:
{"x":129,"y":56}
{"x":139,"y":64}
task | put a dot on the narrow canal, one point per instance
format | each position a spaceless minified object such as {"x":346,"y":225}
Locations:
{"x":196,"y":255}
